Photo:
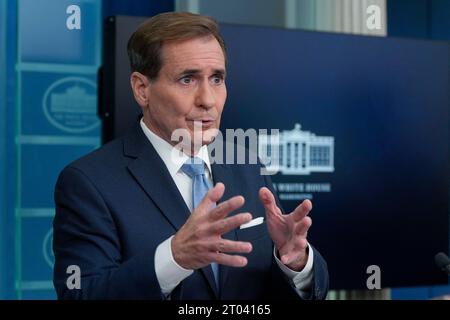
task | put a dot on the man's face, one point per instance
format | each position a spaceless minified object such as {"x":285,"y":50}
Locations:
{"x":190,"y":88}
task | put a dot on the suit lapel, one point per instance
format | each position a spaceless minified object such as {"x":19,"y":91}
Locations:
{"x":152,"y":175}
{"x":222,"y":173}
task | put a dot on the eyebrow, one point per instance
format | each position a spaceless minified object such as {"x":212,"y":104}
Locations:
{"x":190,"y":72}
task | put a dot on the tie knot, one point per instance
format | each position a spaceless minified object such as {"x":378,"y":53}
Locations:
{"x":193,"y":167}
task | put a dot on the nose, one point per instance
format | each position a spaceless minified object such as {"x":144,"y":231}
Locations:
{"x":205,"y":96}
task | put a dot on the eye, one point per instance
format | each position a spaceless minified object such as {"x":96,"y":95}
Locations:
{"x":186,"y":80}
{"x":217,"y":79}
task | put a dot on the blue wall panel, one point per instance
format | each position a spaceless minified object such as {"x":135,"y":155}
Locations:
{"x":8,"y":31}
{"x":2,"y":145}
{"x":48,"y":117}
{"x":45,"y":38}
{"x":56,"y":123}
{"x":61,"y":104}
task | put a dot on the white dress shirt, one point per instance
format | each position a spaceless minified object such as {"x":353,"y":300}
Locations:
{"x":168,"y":272}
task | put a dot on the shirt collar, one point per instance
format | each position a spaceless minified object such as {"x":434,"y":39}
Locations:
{"x":172,"y":157}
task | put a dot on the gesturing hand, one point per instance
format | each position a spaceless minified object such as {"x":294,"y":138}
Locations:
{"x":199,"y":241}
{"x":288,"y":232}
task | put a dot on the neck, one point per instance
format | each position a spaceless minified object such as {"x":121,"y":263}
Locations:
{"x":190,"y":149}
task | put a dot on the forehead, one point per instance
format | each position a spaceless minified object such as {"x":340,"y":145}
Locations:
{"x":198,"y":53}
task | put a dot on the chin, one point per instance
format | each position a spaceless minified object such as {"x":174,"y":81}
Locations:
{"x":209,"y":135}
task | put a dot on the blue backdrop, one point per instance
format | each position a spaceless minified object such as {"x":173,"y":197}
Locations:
{"x":427,"y":19}
{"x":385,"y":102}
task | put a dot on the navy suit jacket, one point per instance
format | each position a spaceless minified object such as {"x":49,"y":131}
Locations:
{"x":118,"y":203}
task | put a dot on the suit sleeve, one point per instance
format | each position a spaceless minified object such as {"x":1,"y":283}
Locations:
{"x":280,"y":287}
{"x":84,"y":234}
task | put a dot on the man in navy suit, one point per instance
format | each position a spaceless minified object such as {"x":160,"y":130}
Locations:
{"x":141,"y":221}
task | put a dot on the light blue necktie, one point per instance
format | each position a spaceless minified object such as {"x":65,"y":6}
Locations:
{"x":195,"y":169}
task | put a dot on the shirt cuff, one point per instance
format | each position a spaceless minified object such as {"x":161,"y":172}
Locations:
{"x":301,"y":279}
{"x":168,"y":272}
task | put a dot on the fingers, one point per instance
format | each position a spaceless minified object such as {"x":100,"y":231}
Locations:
{"x":224,"y":225}
{"x":228,"y":260}
{"x":211,"y":197}
{"x":302,"y":210}
{"x":268,"y":200}
{"x":301,"y":229}
{"x":224,"y":208}
{"x":229,"y":246}
{"x":266,"y":197}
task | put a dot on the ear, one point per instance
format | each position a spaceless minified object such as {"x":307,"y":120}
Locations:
{"x":139,"y":85}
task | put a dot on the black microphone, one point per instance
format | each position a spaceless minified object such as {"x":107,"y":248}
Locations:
{"x":443,"y":262}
